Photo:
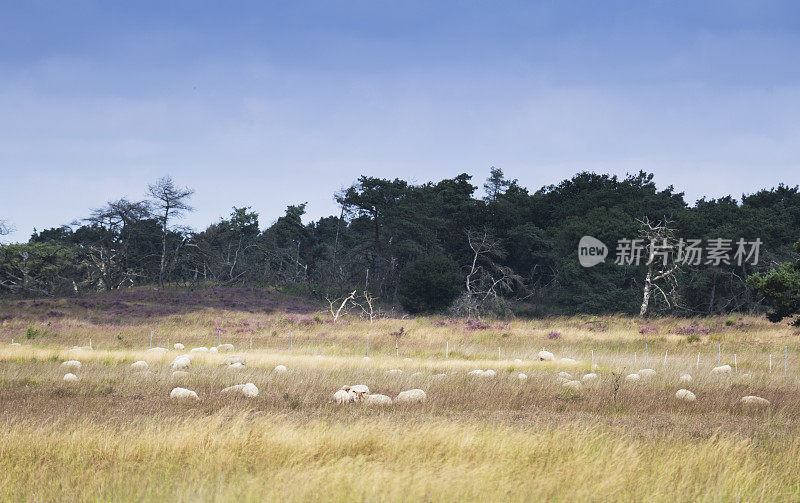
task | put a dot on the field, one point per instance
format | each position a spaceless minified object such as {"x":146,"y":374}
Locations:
{"x":116,"y":435}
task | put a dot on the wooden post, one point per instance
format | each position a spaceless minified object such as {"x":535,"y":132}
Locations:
{"x":665,"y":357}
{"x":447,"y":349}
{"x":698,"y":360}
{"x":735,"y":362}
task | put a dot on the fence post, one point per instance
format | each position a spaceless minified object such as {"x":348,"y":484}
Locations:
{"x":151,"y":338}
{"x":665,"y":357}
{"x":447,"y":349}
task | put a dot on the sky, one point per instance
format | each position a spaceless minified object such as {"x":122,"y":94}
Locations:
{"x":266,"y":104}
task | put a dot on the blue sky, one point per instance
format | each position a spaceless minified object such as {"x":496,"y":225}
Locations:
{"x":273,"y":103}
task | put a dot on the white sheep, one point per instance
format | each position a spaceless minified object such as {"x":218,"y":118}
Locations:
{"x":70,"y":377}
{"x":489,"y":373}
{"x":181,"y":363}
{"x":562,"y":380}
{"x":722,"y":369}
{"x":182,"y":393}
{"x":213,"y":349}
{"x":438,"y":376}
{"x":71,"y":365}
{"x":233,"y":359}
{"x":366,"y":358}
{"x":406,"y":359}
{"x":565,"y":375}
{"x":157,"y":350}
{"x":201,"y":349}
{"x":378,"y":399}
{"x":521,"y":376}
{"x":280,"y":369}
{"x":394,"y":372}
{"x":517,"y":360}
{"x":546,"y":356}
{"x":632,"y":377}
{"x":140,"y":365}
{"x":685,"y":395}
{"x":16,"y":344}
{"x":178,"y":346}
{"x":344,"y":395}
{"x":222,"y":348}
{"x":248,"y":390}
{"x":573,"y":385}
{"x":476,"y":372}
{"x":180,"y":374}
{"x":411,"y":396}
{"x":647,"y":372}
{"x":360,"y":390}
{"x":754,"y":401}
{"x":686,"y":378}
{"x":568,"y":360}
{"x":236,"y":366}
{"x":589,"y":377}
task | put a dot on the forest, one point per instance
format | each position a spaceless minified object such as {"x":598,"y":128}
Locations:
{"x":434,"y":247}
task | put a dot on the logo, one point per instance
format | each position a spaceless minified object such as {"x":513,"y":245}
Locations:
{"x":591,"y":251}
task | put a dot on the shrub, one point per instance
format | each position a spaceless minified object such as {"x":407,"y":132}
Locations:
{"x":31,"y":332}
{"x":648,"y":330}
{"x":554,"y":334}
{"x":692,"y":338}
{"x":429,"y":284}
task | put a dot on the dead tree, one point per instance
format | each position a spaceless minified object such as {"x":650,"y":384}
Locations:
{"x":343,"y":304}
{"x":170,"y":202}
{"x":662,"y":263}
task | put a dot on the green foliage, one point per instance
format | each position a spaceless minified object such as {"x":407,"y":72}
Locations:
{"x":781,"y":290}
{"x":32,"y":332}
{"x":429,"y":284}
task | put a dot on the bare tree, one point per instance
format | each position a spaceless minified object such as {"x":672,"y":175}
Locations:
{"x":169,"y":201}
{"x":368,"y":306}
{"x":343,"y":304}
{"x":662,"y":264}
{"x":5,"y":228}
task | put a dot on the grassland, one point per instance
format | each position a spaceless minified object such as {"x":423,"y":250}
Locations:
{"x":115,"y":435}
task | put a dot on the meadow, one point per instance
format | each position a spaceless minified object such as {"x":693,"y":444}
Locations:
{"x":116,"y":435}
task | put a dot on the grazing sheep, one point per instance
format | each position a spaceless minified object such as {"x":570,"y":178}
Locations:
{"x":180,"y":374}
{"x":394,"y":371}
{"x":344,"y":395}
{"x":223,"y":348}
{"x":378,"y":400}
{"x":248,"y":390}
{"x":589,"y":377}
{"x":71,"y":365}
{"x":632,"y":377}
{"x":360,"y":390}
{"x":562,"y":380}
{"x":366,"y":358}
{"x":686,"y":378}
{"x":489,"y":373}
{"x":213,"y":350}
{"x":438,"y":376}
{"x":647,"y":372}
{"x":546,"y":356}
{"x":568,"y":360}
{"x":754,"y":401}
{"x":181,"y":363}
{"x":182,"y":393}
{"x":521,"y":376}
{"x":411,"y":396}
{"x":406,"y":359}
{"x":157,"y":350}
{"x":179,"y":346}
{"x":70,"y":377}
{"x":565,"y":375}
{"x":722,"y":369}
{"x":476,"y":372}
{"x":685,"y":395}
{"x":517,"y":360}
{"x":236,"y":366}
{"x":201,"y":349}
{"x":573,"y":385}
{"x":233,"y":359}
{"x":16,"y":344}
{"x":281,"y":369}
{"x":140,"y":365}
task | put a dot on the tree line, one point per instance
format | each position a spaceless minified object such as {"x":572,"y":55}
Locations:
{"x":431,"y":246}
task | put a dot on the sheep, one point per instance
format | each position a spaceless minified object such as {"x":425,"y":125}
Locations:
{"x":157,"y":350}
{"x":71,"y":365}
{"x":568,"y":360}
{"x":438,"y":376}
{"x":489,"y":373}
{"x":632,"y":377}
{"x":589,"y":377}
{"x":685,"y":395}
{"x":517,"y":360}
{"x":394,"y":371}
{"x":546,"y":356}
{"x":722,"y":369}
{"x":406,"y":359}
{"x":201,"y":349}
{"x":416,"y":374}
{"x":573,"y":385}
{"x":233,"y":359}
{"x":411,"y":396}
{"x":562,"y":380}
{"x":213,"y":350}
{"x":280,"y":369}
{"x":360,"y":390}
{"x":647,"y":372}
{"x":686,"y":378}
{"x":236,"y":366}
{"x":366,"y":358}
{"x":140,"y":365}
{"x":521,"y":376}
{"x":476,"y":372}
{"x":248,"y":390}
{"x":344,"y":395}
{"x":224,"y":348}
{"x":180,"y":374}
{"x":754,"y":401}
{"x":378,"y":400}
{"x":183,"y":393}
{"x":179,"y":346}
{"x":70,"y":377}
{"x":181,"y":363}
{"x":16,"y":344}
{"x":565,"y":375}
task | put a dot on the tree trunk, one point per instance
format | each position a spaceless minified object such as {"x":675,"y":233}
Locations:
{"x":647,"y":290}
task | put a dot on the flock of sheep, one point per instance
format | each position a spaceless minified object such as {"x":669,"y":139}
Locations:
{"x":361,"y":392}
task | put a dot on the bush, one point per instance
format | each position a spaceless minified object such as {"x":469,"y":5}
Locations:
{"x":31,"y":332}
{"x":429,"y":284}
